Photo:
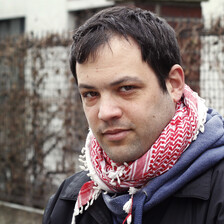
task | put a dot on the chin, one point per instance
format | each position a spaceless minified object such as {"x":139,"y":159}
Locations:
{"x":122,"y":160}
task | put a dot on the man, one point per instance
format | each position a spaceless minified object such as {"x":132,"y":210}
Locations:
{"x":154,"y":153}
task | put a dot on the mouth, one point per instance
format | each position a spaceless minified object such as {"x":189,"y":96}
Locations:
{"x":116,"y":134}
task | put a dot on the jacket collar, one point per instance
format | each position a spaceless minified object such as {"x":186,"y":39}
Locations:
{"x":198,"y":188}
{"x":75,"y":182}
{"x":70,"y":193}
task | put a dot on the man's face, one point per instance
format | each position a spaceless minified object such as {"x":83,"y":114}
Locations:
{"x":122,"y":100}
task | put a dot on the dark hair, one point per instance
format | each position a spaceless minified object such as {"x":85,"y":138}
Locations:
{"x":156,"y":38}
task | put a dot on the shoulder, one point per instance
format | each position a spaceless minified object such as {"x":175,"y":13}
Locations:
{"x":219,"y":166}
{"x":206,"y":185}
{"x":215,"y":212}
{"x":61,"y":204}
{"x":218,"y":174}
{"x":71,"y":186}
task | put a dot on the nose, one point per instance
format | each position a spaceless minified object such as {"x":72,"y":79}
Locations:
{"x":109,"y":109}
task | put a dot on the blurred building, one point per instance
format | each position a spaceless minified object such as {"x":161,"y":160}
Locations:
{"x":41,"y":68}
{"x":41,"y":16}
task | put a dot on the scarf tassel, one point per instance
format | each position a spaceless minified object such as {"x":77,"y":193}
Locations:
{"x":128,"y":219}
{"x":128,"y":209}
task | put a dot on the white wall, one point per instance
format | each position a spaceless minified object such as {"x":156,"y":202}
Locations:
{"x":212,"y":67}
{"x":40,"y":15}
{"x":212,"y":72}
{"x":12,"y":9}
{"x":83,"y":4}
{"x":212,"y":9}
{"x":46,"y":15}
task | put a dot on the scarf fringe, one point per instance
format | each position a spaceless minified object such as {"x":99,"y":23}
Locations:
{"x":128,"y":205}
{"x":79,"y":210}
{"x":202,"y":115}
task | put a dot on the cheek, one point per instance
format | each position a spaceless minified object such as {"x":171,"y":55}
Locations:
{"x":150,"y":113}
{"x":91,"y":115}
{"x":136,"y":109}
{"x":139,"y":114}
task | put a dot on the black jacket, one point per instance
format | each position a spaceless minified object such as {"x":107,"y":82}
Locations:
{"x":200,"y":202}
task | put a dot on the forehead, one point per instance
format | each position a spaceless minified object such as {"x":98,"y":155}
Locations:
{"x":117,"y":56}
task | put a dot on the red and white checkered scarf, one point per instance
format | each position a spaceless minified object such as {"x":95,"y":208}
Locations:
{"x":108,"y":176}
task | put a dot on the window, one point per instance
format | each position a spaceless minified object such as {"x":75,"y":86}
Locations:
{"x":10,"y":27}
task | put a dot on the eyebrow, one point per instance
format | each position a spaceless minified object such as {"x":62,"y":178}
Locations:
{"x":126,"y":79}
{"x":85,"y":86}
{"x":115,"y":83}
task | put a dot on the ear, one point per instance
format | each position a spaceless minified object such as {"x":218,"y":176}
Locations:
{"x":175,"y":82}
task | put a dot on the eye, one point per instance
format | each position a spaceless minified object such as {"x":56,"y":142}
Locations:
{"x":126,"y":88}
{"x":89,"y":94}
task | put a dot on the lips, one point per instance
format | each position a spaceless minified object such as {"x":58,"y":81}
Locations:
{"x":116,"y":134}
